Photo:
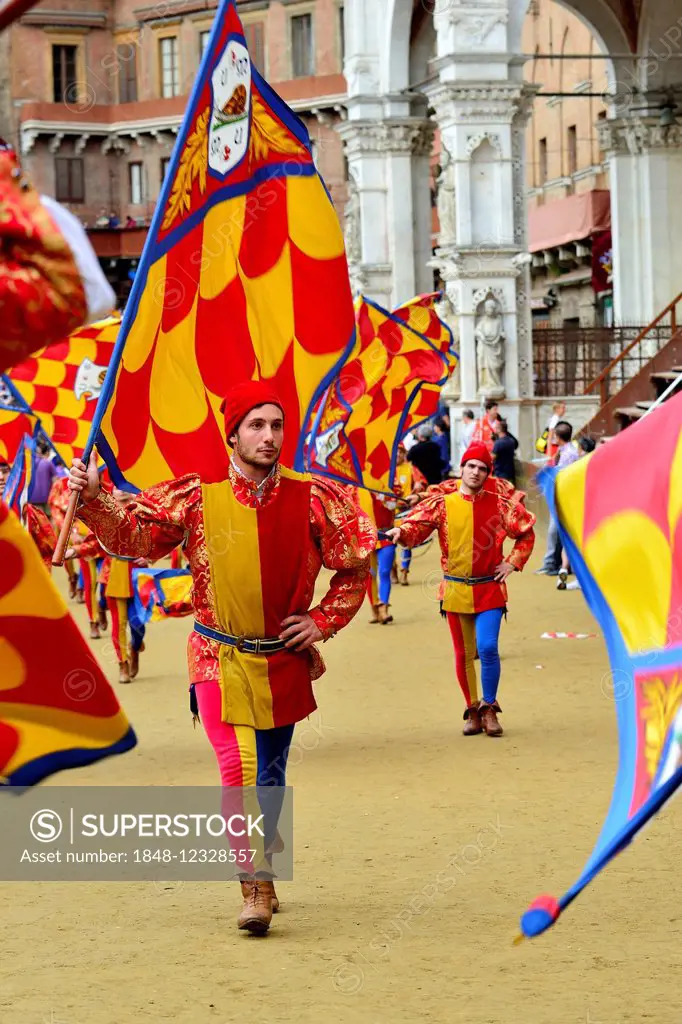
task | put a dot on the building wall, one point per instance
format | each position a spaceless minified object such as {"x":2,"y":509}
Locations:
{"x":109,"y":36}
{"x":553,"y":33}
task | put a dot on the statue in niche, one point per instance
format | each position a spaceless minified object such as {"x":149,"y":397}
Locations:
{"x":351,"y":227}
{"x":445,"y":197}
{"x":490,"y":339}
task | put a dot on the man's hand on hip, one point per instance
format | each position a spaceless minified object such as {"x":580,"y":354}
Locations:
{"x":85,"y":479}
{"x":300,"y":632}
{"x":393,"y":534}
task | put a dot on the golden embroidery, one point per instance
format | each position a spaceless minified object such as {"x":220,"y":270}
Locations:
{"x":661,"y":703}
{"x":193,"y":165}
{"x":267,"y":134}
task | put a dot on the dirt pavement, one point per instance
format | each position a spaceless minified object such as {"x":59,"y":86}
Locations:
{"x":416,"y":851}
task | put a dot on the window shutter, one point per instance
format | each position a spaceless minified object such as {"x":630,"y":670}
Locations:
{"x":61,"y":175}
{"x":77,"y":180}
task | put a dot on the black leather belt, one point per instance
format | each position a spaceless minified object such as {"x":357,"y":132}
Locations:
{"x":244,"y":644}
{"x":469,"y":580}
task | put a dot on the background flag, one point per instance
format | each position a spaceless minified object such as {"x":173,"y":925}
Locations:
{"x":18,"y":483}
{"x":59,"y":386}
{"x":390,"y":382}
{"x":623,"y":534}
{"x":57,"y":709}
{"x":243,"y":277}
{"x":162,"y":593}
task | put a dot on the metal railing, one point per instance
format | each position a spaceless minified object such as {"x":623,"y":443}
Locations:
{"x":571,"y":360}
{"x":636,"y":353}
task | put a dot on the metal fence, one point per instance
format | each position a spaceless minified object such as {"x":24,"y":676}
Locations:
{"x":567,"y":360}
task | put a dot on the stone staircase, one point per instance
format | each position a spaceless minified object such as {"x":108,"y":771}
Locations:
{"x":622,"y":406}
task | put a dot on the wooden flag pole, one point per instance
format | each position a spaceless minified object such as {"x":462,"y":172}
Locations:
{"x":65,"y":532}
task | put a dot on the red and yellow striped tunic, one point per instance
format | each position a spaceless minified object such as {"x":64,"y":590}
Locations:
{"x":471,"y":531}
{"x":254,"y":554}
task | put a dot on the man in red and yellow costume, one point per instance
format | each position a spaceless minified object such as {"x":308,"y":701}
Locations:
{"x":255,"y":543}
{"x":472,"y":524}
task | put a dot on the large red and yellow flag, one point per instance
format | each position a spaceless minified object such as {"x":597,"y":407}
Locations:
{"x":243,"y":277}
{"x":57,"y":709}
{"x":390,"y":382}
{"x":59,"y":386}
{"x":623,"y":534}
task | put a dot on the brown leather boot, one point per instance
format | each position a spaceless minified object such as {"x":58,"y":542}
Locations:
{"x":375,"y":615}
{"x":102,"y":620}
{"x":472,"y":721}
{"x":73,"y":586}
{"x":94,"y":631}
{"x":404,"y":573}
{"x":384,"y":614}
{"x":489,"y":719}
{"x":80,"y":595}
{"x":123,"y":672}
{"x":394,"y":574}
{"x":256,"y":913}
{"x":134,"y":664}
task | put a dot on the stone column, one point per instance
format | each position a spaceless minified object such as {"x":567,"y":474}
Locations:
{"x":645,"y":164}
{"x":482,"y":255}
{"x":388,"y":168}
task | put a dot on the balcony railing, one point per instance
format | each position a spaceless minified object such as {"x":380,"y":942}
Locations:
{"x":578,"y":361}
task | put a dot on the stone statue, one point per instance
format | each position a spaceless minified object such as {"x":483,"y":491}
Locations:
{"x":490,"y":338}
{"x":351,"y":227}
{"x":445,"y":198}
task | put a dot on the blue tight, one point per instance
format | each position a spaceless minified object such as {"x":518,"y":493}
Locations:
{"x":385,"y":560}
{"x":471,"y":634}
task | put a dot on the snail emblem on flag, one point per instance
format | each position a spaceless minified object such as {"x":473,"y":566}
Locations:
{"x":229,"y":127}
{"x":89,"y":379}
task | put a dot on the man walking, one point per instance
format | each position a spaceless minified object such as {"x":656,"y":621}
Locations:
{"x":472,"y":524}
{"x":255,"y":543}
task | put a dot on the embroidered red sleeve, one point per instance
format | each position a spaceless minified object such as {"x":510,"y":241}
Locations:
{"x":346,"y":539}
{"x":151,"y":526}
{"x":41,"y":533}
{"x":416,"y":527}
{"x":41,"y":293}
{"x":519,"y":523}
{"x":89,"y":547}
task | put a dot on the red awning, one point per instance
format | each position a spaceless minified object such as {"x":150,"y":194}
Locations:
{"x":569,"y":220}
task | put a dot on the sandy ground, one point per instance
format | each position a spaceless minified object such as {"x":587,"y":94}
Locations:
{"x":416,"y":851}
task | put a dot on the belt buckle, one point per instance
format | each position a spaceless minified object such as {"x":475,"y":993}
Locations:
{"x":241,"y":644}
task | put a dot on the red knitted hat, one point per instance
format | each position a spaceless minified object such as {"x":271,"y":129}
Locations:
{"x":478,"y":451}
{"x":244,"y":397}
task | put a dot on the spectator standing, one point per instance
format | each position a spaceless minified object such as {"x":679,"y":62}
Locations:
{"x":504,"y":447}
{"x":558,"y":413}
{"x":442,"y":438}
{"x":466,"y":430}
{"x":425,"y":455}
{"x":44,"y":474}
{"x":483,"y":428}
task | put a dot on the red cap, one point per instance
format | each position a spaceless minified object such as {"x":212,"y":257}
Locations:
{"x":478,"y":451}
{"x":244,"y":397}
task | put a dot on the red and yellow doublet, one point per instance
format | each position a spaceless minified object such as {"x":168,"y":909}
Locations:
{"x":471,"y":531}
{"x":254,"y":554}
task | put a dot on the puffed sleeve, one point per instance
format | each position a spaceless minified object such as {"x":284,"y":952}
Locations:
{"x":346,"y":538}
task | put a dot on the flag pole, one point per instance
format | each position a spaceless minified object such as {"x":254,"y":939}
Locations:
{"x":65,"y":532}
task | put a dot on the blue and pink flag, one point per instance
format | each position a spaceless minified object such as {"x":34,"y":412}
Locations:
{"x":623,"y":535}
